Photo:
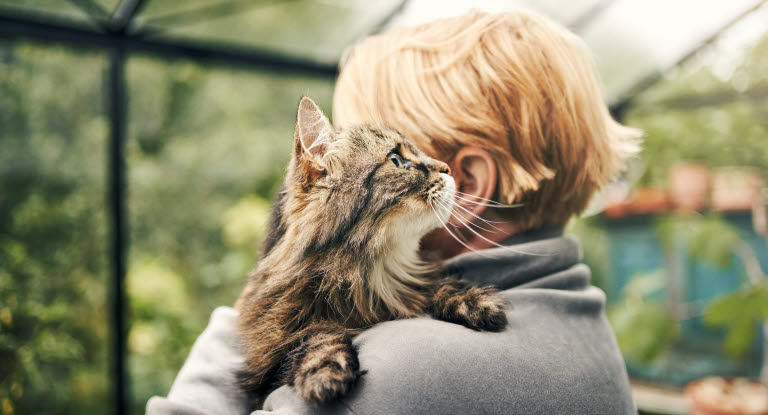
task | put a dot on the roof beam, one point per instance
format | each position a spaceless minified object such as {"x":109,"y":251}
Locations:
{"x":124,"y":14}
{"x":17,"y":26}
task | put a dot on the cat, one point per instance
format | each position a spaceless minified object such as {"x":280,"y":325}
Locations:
{"x":342,"y":255}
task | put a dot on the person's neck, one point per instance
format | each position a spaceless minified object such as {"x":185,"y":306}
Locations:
{"x":441,"y":245}
{"x":492,"y":234}
{"x":446,"y":244}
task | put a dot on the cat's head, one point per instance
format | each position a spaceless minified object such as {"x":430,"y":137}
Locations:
{"x":361,"y":186}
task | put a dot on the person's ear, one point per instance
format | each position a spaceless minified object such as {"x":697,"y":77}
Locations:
{"x":475,"y":172}
{"x":311,"y":138}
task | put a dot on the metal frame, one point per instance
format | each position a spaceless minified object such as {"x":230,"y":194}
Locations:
{"x":118,"y":225}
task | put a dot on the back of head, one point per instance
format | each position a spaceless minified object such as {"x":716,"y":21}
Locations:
{"x":514,"y":84}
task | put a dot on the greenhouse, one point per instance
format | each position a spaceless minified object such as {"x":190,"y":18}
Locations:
{"x":142,"y":142}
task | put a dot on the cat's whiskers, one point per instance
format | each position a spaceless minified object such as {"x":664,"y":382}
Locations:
{"x":457,"y":227}
{"x":476,"y":216}
{"x":451,"y":233}
{"x":488,"y":241}
{"x":475,"y":202}
{"x":481,"y":204}
{"x":468,"y":221}
{"x":489,"y":222}
{"x":436,"y":200}
{"x":488,"y":202}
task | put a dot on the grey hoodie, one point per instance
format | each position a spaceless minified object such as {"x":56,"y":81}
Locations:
{"x":557,"y":356}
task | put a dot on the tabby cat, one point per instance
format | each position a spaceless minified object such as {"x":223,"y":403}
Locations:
{"x":342,"y":255}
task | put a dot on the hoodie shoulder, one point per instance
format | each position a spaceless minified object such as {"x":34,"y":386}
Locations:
{"x":557,"y":356}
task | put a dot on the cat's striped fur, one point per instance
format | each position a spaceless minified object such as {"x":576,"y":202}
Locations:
{"x":342,"y":255}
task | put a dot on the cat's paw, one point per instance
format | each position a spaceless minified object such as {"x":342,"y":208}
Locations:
{"x":474,"y":307}
{"x":326,"y":384}
{"x":326,"y":368}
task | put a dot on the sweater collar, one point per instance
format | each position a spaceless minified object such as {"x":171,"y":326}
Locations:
{"x":523,"y":259}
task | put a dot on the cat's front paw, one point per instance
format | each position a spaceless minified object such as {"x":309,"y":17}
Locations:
{"x":326,"y":368}
{"x":474,"y":307}
{"x":326,"y":385}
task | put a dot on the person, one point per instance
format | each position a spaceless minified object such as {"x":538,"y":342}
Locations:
{"x":511,"y":103}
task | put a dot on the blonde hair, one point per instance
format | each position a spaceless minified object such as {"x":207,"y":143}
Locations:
{"x":514,"y":84}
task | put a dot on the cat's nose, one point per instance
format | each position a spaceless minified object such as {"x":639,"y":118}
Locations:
{"x":437,"y":165}
{"x":443,"y":168}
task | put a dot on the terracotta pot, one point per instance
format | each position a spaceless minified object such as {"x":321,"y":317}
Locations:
{"x":644,"y":201}
{"x":727,"y":396}
{"x":649,"y":200}
{"x":689,"y":185}
{"x":616,"y":210}
{"x":735,"y":188}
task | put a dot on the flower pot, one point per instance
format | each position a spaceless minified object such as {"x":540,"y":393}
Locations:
{"x":727,"y":396}
{"x":688,"y":186}
{"x":648,"y":200}
{"x":643,"y":201}
{"x":735,"y":188}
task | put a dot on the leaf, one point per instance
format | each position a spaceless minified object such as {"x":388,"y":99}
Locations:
{"x":712,"y":240}
{"x":644,"y":284}
{"x":738,"y":337}
{"x":708,"y":238}
{"x":739,"y":313}
{"x":644,"y":331}
{"x":723,"y":309}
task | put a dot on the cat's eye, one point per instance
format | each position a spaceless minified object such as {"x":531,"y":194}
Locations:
{"x":396,"y":160}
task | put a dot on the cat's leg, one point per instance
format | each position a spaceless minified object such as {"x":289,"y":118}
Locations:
{"x":479,"y":308}
{"x":267,"y":337}
{"x":264,"y":348}
{"x":324,"y":366}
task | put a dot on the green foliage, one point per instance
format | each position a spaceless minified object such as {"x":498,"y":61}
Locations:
{"x":716,"y":132}
{"x":712,"y":240}
{"x":643,"y":327}
{"x":597,"y":253}
{"x":708,"y":238}
{"x":245,"y":223}
{"x":53,"y":349}
{"x":740,"y":313}
{"x":206,"y":151}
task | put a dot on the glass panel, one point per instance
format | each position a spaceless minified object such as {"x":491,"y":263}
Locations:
{"x":53,"y":232}
{"x":633,"y":39}
{"x":110,"y":5}
{"x":60,"y":9}
{"x":569,"y":13}
{"x":309,"y":28}
{"x":566,"y":13}
{"x":207,"y":150}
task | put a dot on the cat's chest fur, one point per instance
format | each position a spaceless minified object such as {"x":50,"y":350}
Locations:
{"x":355,"y":289}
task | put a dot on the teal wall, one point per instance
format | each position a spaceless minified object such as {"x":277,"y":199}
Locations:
{"x":634,"y":249}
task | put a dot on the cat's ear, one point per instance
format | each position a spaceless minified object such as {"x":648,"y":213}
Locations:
{"x":313,"y":133}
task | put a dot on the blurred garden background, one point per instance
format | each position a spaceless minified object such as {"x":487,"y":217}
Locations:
{"x":678,"y":244}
